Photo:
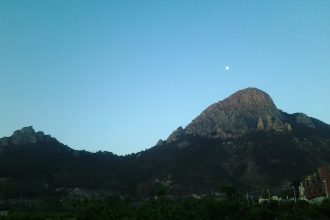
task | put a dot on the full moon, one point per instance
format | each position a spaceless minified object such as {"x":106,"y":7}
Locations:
{"x":227,"y":67}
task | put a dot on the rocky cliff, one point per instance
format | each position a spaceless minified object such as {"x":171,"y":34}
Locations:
{"x":26,"y":135}
{"x":245,"y":111}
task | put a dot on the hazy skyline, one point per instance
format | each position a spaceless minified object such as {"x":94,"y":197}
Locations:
{"x":120,"y":75}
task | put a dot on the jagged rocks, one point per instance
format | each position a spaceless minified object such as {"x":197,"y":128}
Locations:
{"x":303,"y":119}
{"x":245,"y":111}
{"x":176,"y":135}
{"x":160,"y":142}
{"x":26,"y":135}
{"x":260,"y":125}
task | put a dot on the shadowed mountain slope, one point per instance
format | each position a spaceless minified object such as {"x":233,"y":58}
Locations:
{"x":243,"y":140}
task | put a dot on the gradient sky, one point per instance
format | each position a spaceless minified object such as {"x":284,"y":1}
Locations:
{"x":120,"y":75}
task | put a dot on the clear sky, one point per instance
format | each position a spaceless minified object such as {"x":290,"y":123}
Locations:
{"x":120,"y":75}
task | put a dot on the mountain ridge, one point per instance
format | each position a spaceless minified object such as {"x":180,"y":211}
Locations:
{"x":26,"y":135}
{"x":245,"y":111}
{"x":239,"y":143}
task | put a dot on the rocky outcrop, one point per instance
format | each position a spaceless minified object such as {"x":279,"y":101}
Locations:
{"x":245,"y":111}
{"x":260,"y":125}
{"x":176,"y":135}
{"x":303,"y":119}
{"x":26,"y":135}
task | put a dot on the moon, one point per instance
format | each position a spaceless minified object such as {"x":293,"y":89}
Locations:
{"x":227,"y":68}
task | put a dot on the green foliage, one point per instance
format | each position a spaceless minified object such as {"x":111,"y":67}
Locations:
{"x":163,"y":208}
{"x":161,"y":190}
{"x":325,"y":208}
{"x":229,"y":190}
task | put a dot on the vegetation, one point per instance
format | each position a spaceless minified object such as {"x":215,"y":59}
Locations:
{"x":194,"y":164}
{"x":48,"y":180}
{"x":116,"y":207}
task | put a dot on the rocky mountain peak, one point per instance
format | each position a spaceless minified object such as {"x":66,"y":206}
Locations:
{"x":176,"y":135}
{"x":247,"y":110}
{"x":25,"y":131}
{"x":27,"y":135}
{"x":250,"y":98}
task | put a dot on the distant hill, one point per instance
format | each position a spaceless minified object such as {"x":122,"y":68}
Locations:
{"x":243,"y":140}
{"x":34,"y":164}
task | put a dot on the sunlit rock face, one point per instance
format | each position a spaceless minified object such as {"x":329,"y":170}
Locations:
{"x":303,"y":119}
{"x":246,"y":110}
{"x":176,"y":135}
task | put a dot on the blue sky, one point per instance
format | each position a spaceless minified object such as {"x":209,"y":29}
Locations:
{"x":120,"y":75}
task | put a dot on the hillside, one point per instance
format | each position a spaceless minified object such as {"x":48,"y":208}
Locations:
{"x":243,"y":140}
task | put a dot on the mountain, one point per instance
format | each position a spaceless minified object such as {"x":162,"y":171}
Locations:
{"x":243,"y":140}
{"x":245,"y":111}
{"x":26,"y":136}
{"x":33,"y":164}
